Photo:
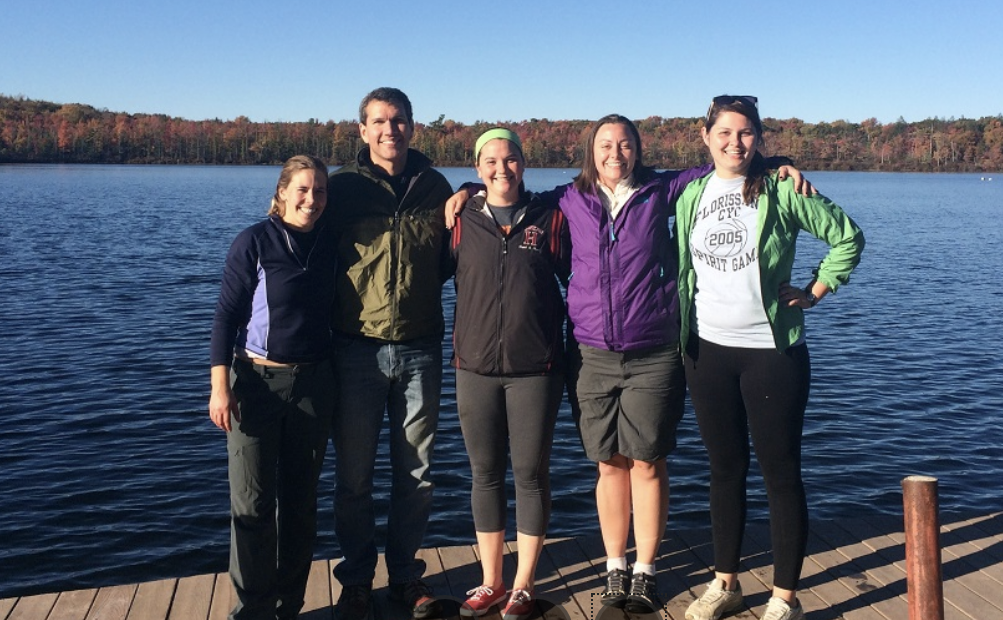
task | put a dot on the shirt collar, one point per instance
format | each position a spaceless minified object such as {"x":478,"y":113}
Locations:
{"x":614,"y":199}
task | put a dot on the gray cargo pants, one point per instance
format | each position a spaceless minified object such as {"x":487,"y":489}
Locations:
{"x":275,"y":455}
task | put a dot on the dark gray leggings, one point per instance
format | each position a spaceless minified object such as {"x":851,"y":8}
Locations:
{"x":503,"y":414}
{"x":737,"y":392}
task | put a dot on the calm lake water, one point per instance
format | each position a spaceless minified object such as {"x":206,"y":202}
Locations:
{"x":110,"y":471}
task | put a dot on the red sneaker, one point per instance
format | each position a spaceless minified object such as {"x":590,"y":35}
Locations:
{"x":520,"y":605}
{"x":482,"y":599}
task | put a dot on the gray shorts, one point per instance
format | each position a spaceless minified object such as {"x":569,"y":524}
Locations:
{"x":628,"y":403}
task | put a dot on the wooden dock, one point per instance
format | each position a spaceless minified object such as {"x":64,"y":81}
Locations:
{"x":855,"y":570}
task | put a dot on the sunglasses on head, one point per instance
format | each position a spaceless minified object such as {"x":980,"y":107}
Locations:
{"x":748,"y":100}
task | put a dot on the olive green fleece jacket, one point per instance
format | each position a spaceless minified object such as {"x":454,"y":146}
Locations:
{"x":783,"y":213}
{"x":392,"y":258}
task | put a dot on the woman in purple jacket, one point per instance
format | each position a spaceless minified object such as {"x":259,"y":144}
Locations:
{"x":626,"y":381}
{"x":626,"y":378}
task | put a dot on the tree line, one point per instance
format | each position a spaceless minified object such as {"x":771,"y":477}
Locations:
{"x":43,"y":132}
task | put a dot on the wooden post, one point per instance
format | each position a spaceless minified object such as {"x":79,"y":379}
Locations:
{"x":922,"y":548}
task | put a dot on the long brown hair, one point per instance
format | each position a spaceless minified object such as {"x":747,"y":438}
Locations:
{"x":587,"y":181}
{"x":293,"y":165}
{"x":746,"y":106}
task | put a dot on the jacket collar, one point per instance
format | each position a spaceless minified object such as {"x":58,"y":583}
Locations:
{"x":417,"y":163}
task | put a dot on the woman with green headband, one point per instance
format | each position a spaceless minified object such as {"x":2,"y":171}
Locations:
{"x":509,"y":250}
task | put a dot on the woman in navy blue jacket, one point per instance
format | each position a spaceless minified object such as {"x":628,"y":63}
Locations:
{"x":272,"y":390}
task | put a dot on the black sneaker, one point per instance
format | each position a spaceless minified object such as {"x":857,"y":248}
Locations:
{"x":643,"y":599}
{"x":417,"y":597}
{"x":615,"y":594}
{"x":355,"y":603}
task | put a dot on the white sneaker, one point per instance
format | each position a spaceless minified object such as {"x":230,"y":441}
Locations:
{"x":779,"y":609}
{"x":716,"y":602}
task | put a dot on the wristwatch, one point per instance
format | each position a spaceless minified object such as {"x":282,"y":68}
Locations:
{"x":812,"y":299}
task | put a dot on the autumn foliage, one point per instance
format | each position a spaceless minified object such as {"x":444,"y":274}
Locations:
{"x":43,"y":132}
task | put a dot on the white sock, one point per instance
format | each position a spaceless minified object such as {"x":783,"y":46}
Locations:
{"x":616,"y":564}
{"x":647,"y":569}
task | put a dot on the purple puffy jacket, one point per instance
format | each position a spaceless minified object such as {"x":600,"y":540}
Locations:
{"x":622,"y":293}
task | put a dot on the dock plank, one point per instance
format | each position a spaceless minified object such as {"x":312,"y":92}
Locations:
{"x":855,"y":570}
{"x":681,"y":575}
{"x":114,"y":603}
{"x":35,"y":607}
{"x":578,"y":574}
{"x":317,"y":603}
{"x":383,"y":607}
{"x":757,"y":562}
{"x":882,"y":585}
{"x":435,"y":574}
{"x":193,"y":598}
{"x":222,"y":597}
{"x":437,"y":578}
{"x":701,"y":545}
{"x":6,"y":605}
{"x":836,"y":583}
{"x":73,"y":605}
{"x":460,"y":568}
{"x":335,"y":584}
{"x":588,"y":598}
{"x":571,"y":570}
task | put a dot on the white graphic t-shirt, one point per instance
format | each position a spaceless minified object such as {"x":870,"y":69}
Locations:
{"x":729,"y":299}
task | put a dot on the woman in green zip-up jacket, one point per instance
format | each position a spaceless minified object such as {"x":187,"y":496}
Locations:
{"x":747,"y":364}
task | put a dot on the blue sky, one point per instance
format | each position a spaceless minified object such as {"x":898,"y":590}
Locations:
{"x":508,"y":60}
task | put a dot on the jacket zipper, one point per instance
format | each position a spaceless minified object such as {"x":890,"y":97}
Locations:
{"x":501,"y":304}
{"x":289,"y":245}
{"x":396,"y":251}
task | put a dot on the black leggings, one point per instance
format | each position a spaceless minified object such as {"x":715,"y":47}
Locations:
{"x":736,"y":392}
{"x":503,"y":414}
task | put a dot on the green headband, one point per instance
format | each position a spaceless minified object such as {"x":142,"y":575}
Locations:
{"x":494,"y":134}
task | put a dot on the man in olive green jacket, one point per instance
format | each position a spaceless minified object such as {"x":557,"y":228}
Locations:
{"x":387,"y":207}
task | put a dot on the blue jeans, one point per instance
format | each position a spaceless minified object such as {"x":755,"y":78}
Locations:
{"x":404,"y":380}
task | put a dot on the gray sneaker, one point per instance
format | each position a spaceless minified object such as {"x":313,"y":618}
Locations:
{"x":716,"y":602}
{"x":779,"y":609}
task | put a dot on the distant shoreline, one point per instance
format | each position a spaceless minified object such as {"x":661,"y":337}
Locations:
{"x":989,"y":176}
{"x":41,"y":132}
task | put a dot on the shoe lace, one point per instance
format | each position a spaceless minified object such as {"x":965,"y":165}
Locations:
{"x":642,"y":582}
{"x":614,"y":582}
{"x":713,"y":594}
{"x":481,"y":592}
{"x":520,"y":597}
